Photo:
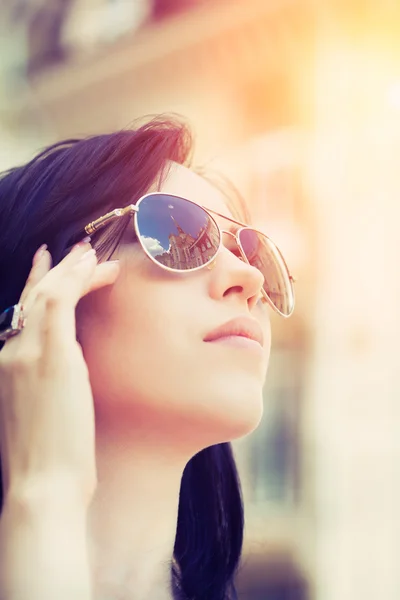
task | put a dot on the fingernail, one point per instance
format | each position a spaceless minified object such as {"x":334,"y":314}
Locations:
{"x":85,"y":240}
{"x":39,"y":253}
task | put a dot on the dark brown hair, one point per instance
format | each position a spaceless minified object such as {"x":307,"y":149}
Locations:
{"x":50,"y":200}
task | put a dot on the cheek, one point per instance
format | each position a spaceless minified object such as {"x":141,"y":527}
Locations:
{"x":136,"y":346}
{"x":146,"y":355}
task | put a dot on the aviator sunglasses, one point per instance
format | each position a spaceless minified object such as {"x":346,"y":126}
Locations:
{"x":179,"y":236}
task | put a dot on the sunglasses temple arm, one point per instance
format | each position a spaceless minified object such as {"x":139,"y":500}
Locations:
{"x":107,"y":218}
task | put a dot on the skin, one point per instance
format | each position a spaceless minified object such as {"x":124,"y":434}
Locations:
{"x":161,"y":394}
{"x":92,"y":463}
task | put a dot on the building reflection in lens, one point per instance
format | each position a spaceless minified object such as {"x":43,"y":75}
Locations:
{"x":186,"y":251}
{"x":261,"y":255}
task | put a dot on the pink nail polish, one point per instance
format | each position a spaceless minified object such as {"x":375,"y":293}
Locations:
{"x":85,"y":240}
{"x":39,"y":253}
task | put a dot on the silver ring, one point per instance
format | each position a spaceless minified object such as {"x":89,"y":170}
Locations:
{"x":12,"y":321}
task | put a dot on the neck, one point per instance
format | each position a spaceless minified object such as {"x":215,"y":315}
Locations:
{"x":133,"y":516}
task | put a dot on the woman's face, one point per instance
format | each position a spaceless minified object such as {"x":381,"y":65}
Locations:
{"x":143,"y":339}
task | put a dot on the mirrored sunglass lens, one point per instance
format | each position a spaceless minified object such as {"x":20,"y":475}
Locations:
{"x":176,"y":232}
{"x":263,"y":254}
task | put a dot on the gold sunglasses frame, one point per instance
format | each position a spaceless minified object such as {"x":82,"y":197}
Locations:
{"x":133,"y":209}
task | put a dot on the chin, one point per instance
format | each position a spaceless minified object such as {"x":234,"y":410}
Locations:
{"x":239,"y":415}
{"x":245,"y":425}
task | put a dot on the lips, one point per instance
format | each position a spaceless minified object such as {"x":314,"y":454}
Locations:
{"x":242,"y":327}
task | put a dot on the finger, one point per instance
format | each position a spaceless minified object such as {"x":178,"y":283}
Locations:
{"x":81,"y":258}
{"x":52,"y":302}
{"x":76,"y":251}
{"x":44,"y":288}
{"x":104,"y":274}
{"x":41,"y":264}
{"x":42,"y":267}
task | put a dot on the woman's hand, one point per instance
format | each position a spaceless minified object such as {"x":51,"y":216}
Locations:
{"x":47,"y":431}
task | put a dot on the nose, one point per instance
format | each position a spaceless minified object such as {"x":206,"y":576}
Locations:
{"x":233,"y":276}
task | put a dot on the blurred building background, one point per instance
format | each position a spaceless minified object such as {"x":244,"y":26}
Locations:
{"x":298,"y":102}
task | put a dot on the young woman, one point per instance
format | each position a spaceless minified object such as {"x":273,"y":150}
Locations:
{"x":130,"y":362}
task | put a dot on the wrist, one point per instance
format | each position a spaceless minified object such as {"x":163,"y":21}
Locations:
{"x":53,"y":494}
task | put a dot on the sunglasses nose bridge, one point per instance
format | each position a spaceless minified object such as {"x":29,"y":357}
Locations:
{"x":235,"y":236}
